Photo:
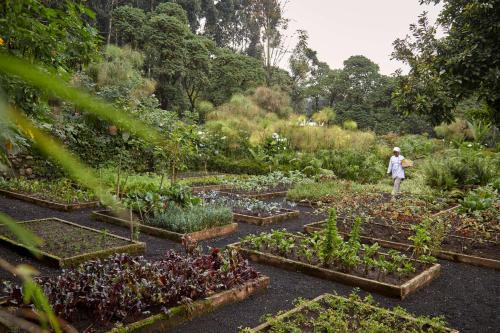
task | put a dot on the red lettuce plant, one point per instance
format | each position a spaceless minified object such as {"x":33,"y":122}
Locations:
{"x":123,"y":286}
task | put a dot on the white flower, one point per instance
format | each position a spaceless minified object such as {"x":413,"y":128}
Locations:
{"x":469,"y":145}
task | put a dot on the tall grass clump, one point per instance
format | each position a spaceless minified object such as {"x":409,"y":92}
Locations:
{"x":312,"y":139}
{"x":273,"y":100}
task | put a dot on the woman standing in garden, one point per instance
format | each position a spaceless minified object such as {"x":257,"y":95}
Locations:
{"x":397,"y":170}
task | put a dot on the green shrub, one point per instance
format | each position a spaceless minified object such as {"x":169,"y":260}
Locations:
{"x":456,"y":131}
{"x":242,"y":166}
{"x":192,"y":219}
{"x":460,"y":168}
{"x":350,"y":125}
{"x":353,"y":165}
{"x":437,"y":176}
{"x":416,"y":145}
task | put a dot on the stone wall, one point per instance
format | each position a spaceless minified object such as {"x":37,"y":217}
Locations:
{"x":21,"y":165}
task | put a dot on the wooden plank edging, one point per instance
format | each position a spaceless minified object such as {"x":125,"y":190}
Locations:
{"x":288,"y":214}
{"x":182,"y":313}
{"x":105,"y":216}
{"x":47,"y":203}
{"x":133,"y":248}
{"x":400,"y":291}
{"x":441,"y":254}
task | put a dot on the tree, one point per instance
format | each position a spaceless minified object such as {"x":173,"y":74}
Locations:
{"x":362,"y":77}
{"x":464,"y":63}
{"x":336,"y":86}
{"x":266,"y":18}
{"x":193,"y":11}
{"x":129,"y":25}
{"x":197,"y":68}
{"x":166,"y":52}
{"x":55,"y":35}
{"x":233,"y":73}
{"x":301,"y":62}
{"x":317,"y":86}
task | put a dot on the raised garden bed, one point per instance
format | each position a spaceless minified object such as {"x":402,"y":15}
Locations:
{"x":335,"y":313}
{"x":67,"y":244}
{"x":47,"y":203}
{"x":108,"y":217}
{"x":103,"y":295}
{"x":176,"y":315}
{"x":182,"y":313}
{"x":481,"y":253}
{"x":286,"y":255}
{"x":283,"y":215}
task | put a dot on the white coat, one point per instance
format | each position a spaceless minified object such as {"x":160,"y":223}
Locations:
{"x":396,"y":167}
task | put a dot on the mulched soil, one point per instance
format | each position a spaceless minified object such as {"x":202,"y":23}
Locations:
{"x":67,"y":240}
{"x":467,"y":296}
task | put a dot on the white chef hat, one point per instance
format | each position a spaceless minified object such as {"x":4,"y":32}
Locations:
{"x":397,"y":149}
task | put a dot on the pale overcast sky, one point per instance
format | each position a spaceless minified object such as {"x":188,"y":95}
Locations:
{"x":341,"y":28}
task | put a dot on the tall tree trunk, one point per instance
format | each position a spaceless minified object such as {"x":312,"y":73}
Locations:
{"x":110,"y":21}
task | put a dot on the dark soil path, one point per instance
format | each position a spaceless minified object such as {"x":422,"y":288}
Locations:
{"x":467,"y":296}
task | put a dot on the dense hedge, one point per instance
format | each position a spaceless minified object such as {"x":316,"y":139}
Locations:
{"x":241,"y":166}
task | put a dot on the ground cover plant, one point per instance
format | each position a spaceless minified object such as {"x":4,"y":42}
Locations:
{"x":409,"y":210}
{"x":247,"y":206}
{"x":61,"y":190}
{"x":332,"y":313}
{"x":122,"y":289}
{"x":330,"y":250}
{"x":272,"y":182}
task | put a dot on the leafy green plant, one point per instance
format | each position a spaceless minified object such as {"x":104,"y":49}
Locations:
{"x":333,"y":241}
{"x":192,"y":219}
{"x":349,"y":314}
{"x":425,"y":241}
{"x":477,"y":200}
{"x":61,"y":190}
